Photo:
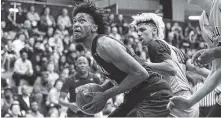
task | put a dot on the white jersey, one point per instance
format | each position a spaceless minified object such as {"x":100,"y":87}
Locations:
{"x":211,"y":24}
{"x":211,"y":29}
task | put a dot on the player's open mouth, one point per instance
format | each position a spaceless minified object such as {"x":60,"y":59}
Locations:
{"x":77,"y":31}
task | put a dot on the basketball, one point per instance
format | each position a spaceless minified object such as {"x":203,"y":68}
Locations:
{"x":82,"y":99}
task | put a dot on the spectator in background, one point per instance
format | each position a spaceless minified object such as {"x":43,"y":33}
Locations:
{"x":120,"y":23}
{"x":20,"y":18}
{"x":38,"y":50}
{"x":15,"y":111}
{"x":167,"y":32}
{"x":47,"y":20}
{"x":82,"y":76}
{"x":24,"y":99}
{"x":28,"y":50}
{"x":64,"y":19}
{"x":62,"y":62}
{"x":56,"y":43}
{"x":19,"y":42}
{"x":61,"y":31}
{"x":23,"y":69}
{"x":40,"y":91}
{"x":9,"y":57}
{"x":159,"y":10}
{"x":33,"y":16}
{"x":64,"y":74}
{"x":35,"y":113}
{"x":114,"y":33}
{"x":72,"y":70}
{"x":54,"y":93}
{"x":111,"y":20}
{"x":49,"y":34}
{"x":178,"y":34}
{"x":7,"y":99}
{"x":52,"y":75}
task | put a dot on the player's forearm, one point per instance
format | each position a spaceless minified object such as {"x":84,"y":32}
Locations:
{"x":128,"y":83}
{"x":107,"y":84}
{"x":201,"y":71}
{"x":209,"y":85}
{"x":64,"y":103}
{"x":217,"y":52}
{"x":163,"y":68}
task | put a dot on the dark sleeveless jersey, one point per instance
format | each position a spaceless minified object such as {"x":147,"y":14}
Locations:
{"x":111,"y":71}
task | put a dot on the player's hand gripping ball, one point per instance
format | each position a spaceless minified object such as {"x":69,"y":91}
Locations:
{"x":89,"y":98}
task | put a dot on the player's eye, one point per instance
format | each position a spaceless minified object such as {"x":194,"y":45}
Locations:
{"x":74,"y":21}
{"x":82,"y":21}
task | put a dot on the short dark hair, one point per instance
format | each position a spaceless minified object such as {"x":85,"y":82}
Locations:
{"x":96,"y":13}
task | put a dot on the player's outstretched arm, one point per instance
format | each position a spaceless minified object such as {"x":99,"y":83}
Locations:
{"x":115,"y":53}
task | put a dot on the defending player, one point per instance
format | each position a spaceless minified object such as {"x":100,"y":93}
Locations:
{"x":210,"y":24}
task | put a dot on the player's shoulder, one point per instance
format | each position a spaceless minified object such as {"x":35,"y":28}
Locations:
{"x":109,"y":48}
{"x":107,"y":42}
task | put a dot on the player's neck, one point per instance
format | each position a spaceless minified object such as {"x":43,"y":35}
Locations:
{"x":83,"y":75}
{"x":89,"y":40}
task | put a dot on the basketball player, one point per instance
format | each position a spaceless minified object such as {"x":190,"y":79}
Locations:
{"x":165,"y":58}
{"x":81,"y":77}
{"x":147,"y":94}
{"x":210,"y":24}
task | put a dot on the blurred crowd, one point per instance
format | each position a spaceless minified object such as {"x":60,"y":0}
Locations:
{"x":39,"y":52}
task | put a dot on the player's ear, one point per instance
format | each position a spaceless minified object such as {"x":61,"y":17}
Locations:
{"x":154,"y":31}
{"x":94,"y":28}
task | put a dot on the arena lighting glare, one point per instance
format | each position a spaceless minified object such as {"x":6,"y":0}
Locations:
{"x":13,"y":10}
{"x":194,"y":17}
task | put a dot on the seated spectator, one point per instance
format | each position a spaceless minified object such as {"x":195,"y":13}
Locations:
{"x":167,"y":31}
{"x":120,"y":23}
{"x":114,"y":33}
{"x":56,"y":43}
{"x":64,"y":19}
{"x":34,"y":113}
{"x":62,"y":62}
{"x":19,"y":43}
{"x":24,"y":99}
{"x":54,"y":93}
{"x":72,"y":69}
{"x":49,"y":34}
{"x":47,"y":20}
{"x":9,"y":57}
{"x":64,"y":74}
{"x":28,"y":50}
{"x":15,"y":111}
{"x":7,"y":99}
{"x":40,"y":91}
{"x":178,"y":34}
{"x":33,"y":16}
{"x":37,"y":50}
{"x":23,"y":69}
{"x":61,"y":31}
{"x":52,"y":75}
{"x":20,"y":18}
{"x":111,"y":20}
